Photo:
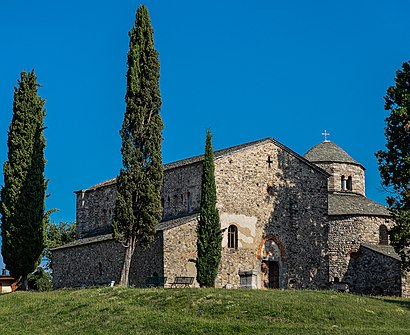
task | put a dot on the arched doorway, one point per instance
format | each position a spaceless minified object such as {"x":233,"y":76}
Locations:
{"x":271,"y":254}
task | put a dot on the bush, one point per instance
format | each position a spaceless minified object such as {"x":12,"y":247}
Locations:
{"x":40,"y":280}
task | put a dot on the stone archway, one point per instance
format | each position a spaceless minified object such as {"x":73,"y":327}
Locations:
{"x":271,"y":254}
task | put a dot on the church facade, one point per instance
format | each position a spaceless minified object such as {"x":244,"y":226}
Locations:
{"x":289,"y":222}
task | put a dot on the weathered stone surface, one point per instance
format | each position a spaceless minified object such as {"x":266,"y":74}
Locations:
{"x":99,"y":261}
{"x":376,"y":273}
{"x":346,"y":234}
{"x":346,"y":170}
{"x":295,"y":226}
{"x":249,"y":186}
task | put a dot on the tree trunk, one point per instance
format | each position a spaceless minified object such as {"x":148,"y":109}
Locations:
{"x":24,"y":283}
{"x":129,"y":251}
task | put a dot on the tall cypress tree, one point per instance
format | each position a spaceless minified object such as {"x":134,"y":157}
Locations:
{"x":138,"y":203}
{"x":209,"y":233}
{"x":394,"y":162}
{"x":23,"y":194}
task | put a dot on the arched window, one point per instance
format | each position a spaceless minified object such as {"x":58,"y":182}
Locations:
{"x":343,"y":181}
{"x":349,"y":183}
{"x":383,"y":235}
{"x":233,"y":237}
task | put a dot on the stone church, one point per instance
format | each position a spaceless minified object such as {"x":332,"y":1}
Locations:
{"x":289,"y":222}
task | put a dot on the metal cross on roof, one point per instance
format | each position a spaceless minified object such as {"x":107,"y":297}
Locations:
{"x":326,"y":134}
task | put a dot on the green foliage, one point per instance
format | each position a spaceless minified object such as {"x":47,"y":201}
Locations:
{"x":201,"y":312}
{"x":23,"y":194}
{"x":40,"y":280}
{"x":138,"y":203}
{"x":209,"y":233}
{"x":58,"y":235}
{"x":400,"y":236}
{"x":394,"y":162}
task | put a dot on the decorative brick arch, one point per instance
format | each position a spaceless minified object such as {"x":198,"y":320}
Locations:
{"x":278,"y":243}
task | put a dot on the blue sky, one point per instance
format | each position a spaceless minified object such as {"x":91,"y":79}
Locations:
{"x":286,"y":69}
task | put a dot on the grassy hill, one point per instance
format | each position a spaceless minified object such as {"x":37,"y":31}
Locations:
{"x":200,"y":311}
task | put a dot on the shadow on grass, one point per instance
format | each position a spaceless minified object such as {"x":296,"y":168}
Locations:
{"x":390,"y":300}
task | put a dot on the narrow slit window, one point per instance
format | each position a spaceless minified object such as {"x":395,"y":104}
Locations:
{"x":233,"y":237}
{"x":343,"y":183}
{"x":383,"y":235}
{"x":349,"y":183}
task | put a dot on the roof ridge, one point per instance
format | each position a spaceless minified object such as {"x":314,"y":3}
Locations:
{"x":220,"y":153}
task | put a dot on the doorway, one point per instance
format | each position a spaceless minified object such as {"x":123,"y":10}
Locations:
{"x":270,"y":272}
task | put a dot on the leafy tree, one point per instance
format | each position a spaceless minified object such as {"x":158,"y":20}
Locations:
{"x":394,"y":162}
{"x":138,"y":203}
{"x":58,"y":235}
{"x":23,"y":194}
{"x":40,"y":280}
{"x":209,"y":233}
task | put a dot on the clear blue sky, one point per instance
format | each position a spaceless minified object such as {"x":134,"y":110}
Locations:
{"x":247,"y":70}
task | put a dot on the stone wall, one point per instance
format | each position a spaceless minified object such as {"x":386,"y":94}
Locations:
{"x":270,"y":194}
{"x":287,"y":200}
{"x":346,"y":234}
{"x":337,"y":170}
{"x":180,"y":251}
{"x":405,"y":284}
{"x":94,"y":211}
{"x":375,"y":273}
{"x":181,"y":193}
{"x":88,"y":264}
{"x":98,"y":261}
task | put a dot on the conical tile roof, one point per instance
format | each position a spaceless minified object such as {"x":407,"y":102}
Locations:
{"x":328,"y":152}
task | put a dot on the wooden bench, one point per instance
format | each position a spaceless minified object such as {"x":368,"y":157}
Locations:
{"x":183,"y":281}
{"x":155,"y":281}
{"x":110,"y":283}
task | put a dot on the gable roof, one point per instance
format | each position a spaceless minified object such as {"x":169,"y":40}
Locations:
{"x":327,"y":151}
{"x":164,"y":225}
{"x":354,"y":204}
{"x":219,"y":154}
{"x":386,"y":250}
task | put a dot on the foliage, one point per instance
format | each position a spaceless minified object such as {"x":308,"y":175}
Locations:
{"x":207,"y":311}
{"x":394,"y":162}
{"x":40,"y":280}
{"x":58,"y":235}
{"x":23,"y":193}
{"x":138,"y":203}
{"x":209,"y":233}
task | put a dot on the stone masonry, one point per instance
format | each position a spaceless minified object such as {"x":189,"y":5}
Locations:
{"x":295,"y":222}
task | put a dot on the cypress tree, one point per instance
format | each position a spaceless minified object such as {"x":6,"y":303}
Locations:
{"x":23,"y":194}
{"x":394,"y":162}
{"x":209,"y":233}
{"x":138,"y":203}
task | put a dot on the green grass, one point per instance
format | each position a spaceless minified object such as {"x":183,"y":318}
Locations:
{"x":200,"y":311}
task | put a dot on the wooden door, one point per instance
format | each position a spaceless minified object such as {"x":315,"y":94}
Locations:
{"x":273,"y":274}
